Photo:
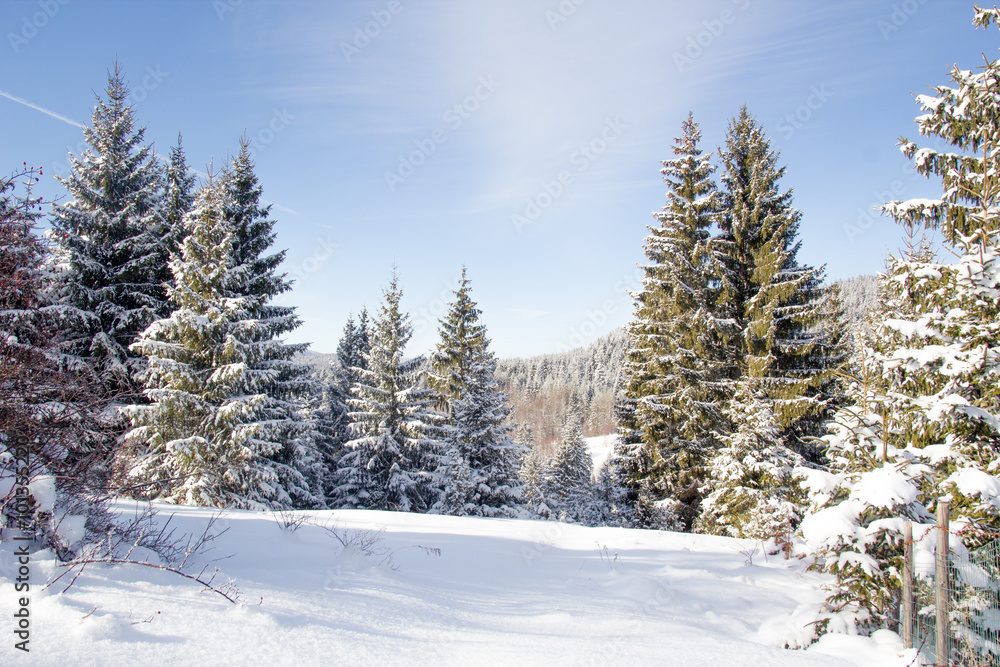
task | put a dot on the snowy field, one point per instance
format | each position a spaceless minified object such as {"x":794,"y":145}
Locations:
{"x":439,"y":591}
{"x":600,"y":448}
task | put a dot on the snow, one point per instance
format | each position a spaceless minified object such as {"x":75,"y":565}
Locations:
{"x":43,"y":490}
{"x":973,"y":482}
{"x":601,"y":448}
{"x":829,"y":526}
{"x":441,"y":590}
{"x":885,"y":487}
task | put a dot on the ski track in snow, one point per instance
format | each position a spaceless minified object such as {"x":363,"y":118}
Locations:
{"x":501,"y":592}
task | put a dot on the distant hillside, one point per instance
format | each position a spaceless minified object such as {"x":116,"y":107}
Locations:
{"x":322,"y":362}
{"x":859,"y":295}
{"x":543,"y":388}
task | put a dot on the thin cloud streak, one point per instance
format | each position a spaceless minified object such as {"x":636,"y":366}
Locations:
{"x":45,"y":111}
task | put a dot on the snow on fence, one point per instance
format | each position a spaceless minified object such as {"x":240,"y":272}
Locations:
{"x":967,"y":632}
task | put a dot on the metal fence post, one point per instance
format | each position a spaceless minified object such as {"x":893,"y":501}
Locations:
{"x":908,"y":585}
{"x":941,"y":586}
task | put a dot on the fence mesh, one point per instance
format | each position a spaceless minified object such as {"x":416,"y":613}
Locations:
{"x":973,"y":613}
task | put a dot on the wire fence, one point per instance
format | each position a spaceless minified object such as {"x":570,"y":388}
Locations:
{"x":972,"y":635}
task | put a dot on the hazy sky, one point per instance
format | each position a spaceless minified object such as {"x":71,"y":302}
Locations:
{"x":521,"y":139}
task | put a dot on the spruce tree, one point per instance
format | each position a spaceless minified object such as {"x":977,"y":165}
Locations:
{"x":567,"y":481}
{"x":194,"y":443}
{"x":178,"y":198}
{"x":776,"y":301}
{"x":751,"y":490}
{"x":224,"y":426}
{"x":393,"y":460}
{"x":112,"y":241}
{"x":332,"y":402}
{"x":484,"y":460}
{"x":924,"y":419}
{"x":531,"y":468}
{"x":255,"y":275}
{"x":675,"y":371}
{"x":353,"y":351}
{"x":462,"y":342}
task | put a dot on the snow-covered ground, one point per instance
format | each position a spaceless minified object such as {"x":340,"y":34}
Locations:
{"x":600,"y":448}
{"x":439,"y":591}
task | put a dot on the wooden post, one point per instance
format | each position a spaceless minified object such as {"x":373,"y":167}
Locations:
{"x":908,"y":585}
{"x":941,"y":586}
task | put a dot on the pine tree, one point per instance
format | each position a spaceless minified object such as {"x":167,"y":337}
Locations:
{"x":332,"y":403}
{"x":393,"y":459}
{"x":567,"y":481}
{"x":223,"y":427}
{"x":776,"y":301}
{"x":111,"y":236}
{"x":353,"y":351}
{"x":484,"y":459}
{"x":463,"y":341}
{"x":255,"y":275}
{"x":194,"y":444}
{"x":675,"y":365}
{"x":485,"y":455}
{"x":752,"y":491}
{"x":924,"y":419}
{"x":178,"y":198}
{"x":531,"y":469}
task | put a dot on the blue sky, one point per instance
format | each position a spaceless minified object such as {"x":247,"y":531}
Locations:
{"x":521,"y":139}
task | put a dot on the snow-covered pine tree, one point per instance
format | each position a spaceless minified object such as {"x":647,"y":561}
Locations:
{"x":201,"y":440}
{"x":330,"y":405}
{"x":484,"y":459}
{"x":857,"y":505}
{"x":777,"y":301}
{"x":462,"y":342}
{"x":567,"y":481}
{"x":751,"y":488}
{"x":393,"y":459}
{"x":482,"y":441}
{"x":353,"y":351}
{"x":675,"y":370}
{"x":925,"y":419}
{"x":111,"y":237}
{"x":178,"y":198}
{"x":531,"y":469}
{"x":221,"y":428}
{"x":255,"y":275}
